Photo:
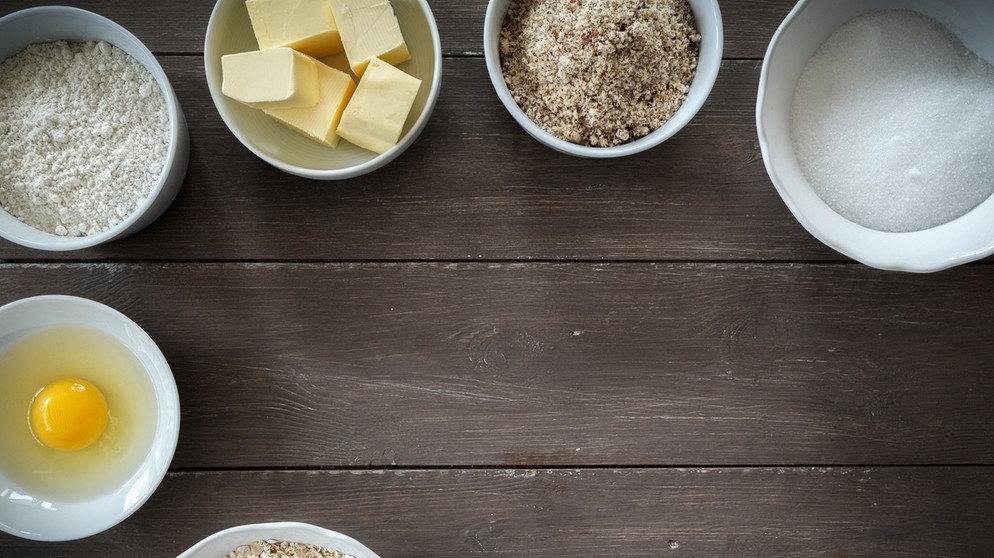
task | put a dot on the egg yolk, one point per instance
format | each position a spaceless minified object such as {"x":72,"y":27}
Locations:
{"x":68,"y":414}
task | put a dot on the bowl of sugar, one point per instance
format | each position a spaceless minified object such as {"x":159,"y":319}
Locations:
{"x":89,"y":417}
{"x":603,"y":79}
{"x":325,"y":90}
{"x":93,"y":142}
{"x":874,"y":121}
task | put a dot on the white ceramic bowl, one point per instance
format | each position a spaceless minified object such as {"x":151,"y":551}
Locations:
{"x":802,"y":32}
{"x":221,"y":543}
{"x":230,"y":31}
{"x":708,"y":19}
{"x":46,"y":519}
{"x":53,"y":23}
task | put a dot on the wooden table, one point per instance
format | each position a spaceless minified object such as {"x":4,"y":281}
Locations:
{"x":490,"y":349}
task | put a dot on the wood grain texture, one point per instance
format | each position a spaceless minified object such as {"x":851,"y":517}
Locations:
{"x":180,"y":26}
{"x":490,"y":349}
{"x":475,"y":186}
{"x":791,"y":512}
{"x":418,"y":364}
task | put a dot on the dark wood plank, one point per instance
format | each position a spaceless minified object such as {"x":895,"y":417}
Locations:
{"x":173,"y":27}
{"x":488,"y":348}
{"x":475,"y":186}
{"x":179,"y":27}
{"x":410,"y":365}
{"x":546,"y":513}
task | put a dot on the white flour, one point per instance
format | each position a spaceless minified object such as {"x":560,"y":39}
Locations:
{"x":84,"y":134}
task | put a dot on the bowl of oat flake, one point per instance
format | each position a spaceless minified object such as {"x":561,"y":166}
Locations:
{"x":291,"y":539}
{"x":93,"y":142}
{"x":603,"y":79}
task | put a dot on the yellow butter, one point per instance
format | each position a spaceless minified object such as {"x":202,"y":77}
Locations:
{"x":320,"y":121}
{"x":273,"y":78}
{"x":369,"y":28}
{"x":375,"y":116}
{"x":307,"y":26}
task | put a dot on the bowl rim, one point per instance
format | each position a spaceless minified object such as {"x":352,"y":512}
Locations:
{"x":212,"y":66}
{"x":176,"y":157}
{"x":279,"y":530}
{"x":922,"y":251}
{"x":75,"y":519}
{"x":712,"y":43}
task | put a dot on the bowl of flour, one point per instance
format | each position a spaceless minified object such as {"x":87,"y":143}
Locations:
{"x":874,"y":120}
{"x":94,"y":145}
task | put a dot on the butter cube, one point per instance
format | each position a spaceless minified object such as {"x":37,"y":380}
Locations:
{"x":320,"y":121}
{"x":274,"y":78}
{"x":369,"y":28}
{"x":375,"y":116}
{"x":307,"y":26}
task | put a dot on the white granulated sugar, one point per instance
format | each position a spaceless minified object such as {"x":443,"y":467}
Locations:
{"x":892,"y":123}
{"x":84,"y":135}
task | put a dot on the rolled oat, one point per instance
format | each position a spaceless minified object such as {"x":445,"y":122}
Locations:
{"x":283,"y":549}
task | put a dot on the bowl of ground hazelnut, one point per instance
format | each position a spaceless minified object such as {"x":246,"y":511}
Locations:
{"x":289,"y":539}
{"x":93,"y":142}
{"x":874,"y":121}
{"x":603,"y":79}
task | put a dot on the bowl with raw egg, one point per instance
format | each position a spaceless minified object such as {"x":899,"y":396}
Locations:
{"x":324,"y":90}
{"x":89,"y":417}
{"x":873,"y":118}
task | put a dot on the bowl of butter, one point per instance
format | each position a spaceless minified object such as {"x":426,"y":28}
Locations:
{"x":324,"y":89}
